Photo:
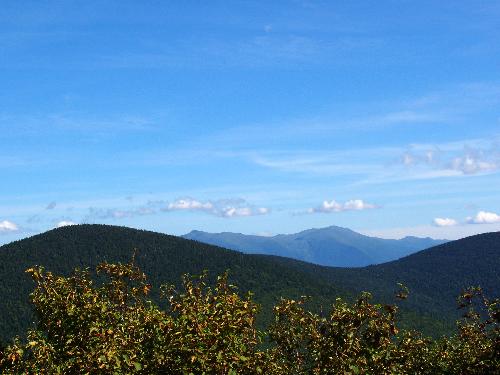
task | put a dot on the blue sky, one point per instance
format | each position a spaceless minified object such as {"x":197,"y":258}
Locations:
{"x":253,"y":117}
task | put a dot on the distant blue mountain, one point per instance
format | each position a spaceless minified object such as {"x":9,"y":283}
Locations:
{"x":331,"y":246}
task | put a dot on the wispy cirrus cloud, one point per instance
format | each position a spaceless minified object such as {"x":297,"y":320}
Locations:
{"x":261,"y":49}
{"x":467,"y":157}
{"x":77,"y":123}
{"x":118,"y":213}
{"x":318,"y":162}
{"x":408,"y":117}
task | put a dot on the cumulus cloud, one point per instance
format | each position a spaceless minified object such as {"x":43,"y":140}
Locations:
{"x":484,"y":217}
{"x":189,"y":204}
{"x":472,"y":164}
{"x":65,"y":223}
{"x":334,"y":206}
{"x":223,"y":208}
{"x":51,"y":206}
{"x":444,"y":222}
{"x":8,"y":226}
{"x":467,"y":161}
{"x":228,"y":208}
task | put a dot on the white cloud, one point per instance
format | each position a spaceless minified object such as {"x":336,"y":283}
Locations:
{"x":386,"y":164}
{"x":65,"y":223}
{"x":408,"y":159}
{"x":334,"y":206}
{"x":327,"y":206}
{"x":8,"y":226}
{"x":223,"y":207}
{"x":357,"y":204}
{"x":484,"y":217}
{"x":464,"y":161}
{"x":472,"y":164}
{"x":444,"y":222}
{"x":190,"y":204}
{"x":235,"y":211}
{"x":263,"y":210}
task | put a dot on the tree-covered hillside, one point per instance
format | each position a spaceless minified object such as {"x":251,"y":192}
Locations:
{"x":435,"y":276}
{"x":113,"y":327}
{"x":162,"y":257}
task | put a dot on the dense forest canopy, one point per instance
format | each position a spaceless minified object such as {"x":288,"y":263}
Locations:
{"x":434,"y":276}
{"x":113,"y":328}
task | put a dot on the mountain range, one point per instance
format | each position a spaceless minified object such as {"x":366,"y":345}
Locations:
{"x":434,"y":276}
{"x":331,"y":246}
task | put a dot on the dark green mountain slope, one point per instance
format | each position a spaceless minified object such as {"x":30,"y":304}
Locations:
{"x":331,"y":246}
{"x":434,"y":276}
{"x":162,"y":257}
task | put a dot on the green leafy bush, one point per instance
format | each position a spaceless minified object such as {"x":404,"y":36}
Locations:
{"x":110,"y":326}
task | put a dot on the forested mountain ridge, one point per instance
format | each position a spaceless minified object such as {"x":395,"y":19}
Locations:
{"x":434,"y":276}
{"x":162,"y":257}
{"x":331,"y":246}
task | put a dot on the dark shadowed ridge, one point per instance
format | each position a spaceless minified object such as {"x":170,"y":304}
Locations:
{"x":435,"y":276}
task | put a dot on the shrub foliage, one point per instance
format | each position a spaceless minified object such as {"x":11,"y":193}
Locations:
{"x":108,"y":325}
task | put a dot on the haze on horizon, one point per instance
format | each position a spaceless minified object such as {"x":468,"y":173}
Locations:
{"x":251,"y":117}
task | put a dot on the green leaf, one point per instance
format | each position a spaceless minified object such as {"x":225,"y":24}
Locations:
{"x":354,"y":369}
{"x":137,"y":366}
